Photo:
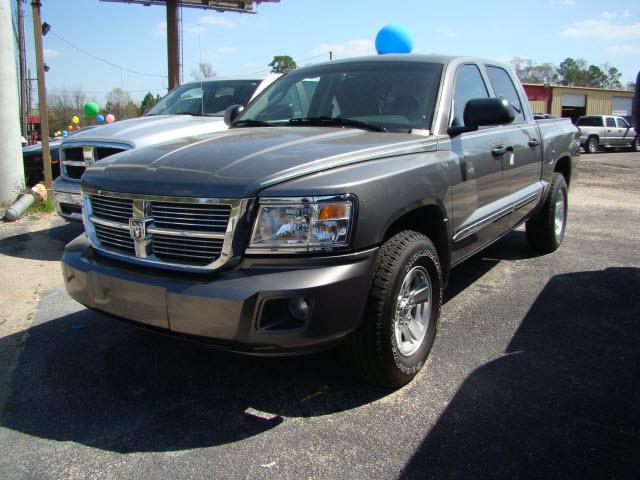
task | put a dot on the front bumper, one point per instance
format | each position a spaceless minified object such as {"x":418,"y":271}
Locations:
{"x":228,"y":309}
{"x":67,"y":199}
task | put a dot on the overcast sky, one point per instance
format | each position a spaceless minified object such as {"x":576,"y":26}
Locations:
{"x":133,"y":36}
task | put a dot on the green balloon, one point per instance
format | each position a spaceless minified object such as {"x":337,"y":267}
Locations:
{"x":91,"y":109}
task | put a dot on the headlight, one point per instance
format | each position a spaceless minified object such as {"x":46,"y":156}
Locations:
{"x":302,"y":224}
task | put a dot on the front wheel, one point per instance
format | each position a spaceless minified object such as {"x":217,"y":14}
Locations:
{"x":395,"y":337}
{"x":545,"y":231}
{"x":636,"y":144}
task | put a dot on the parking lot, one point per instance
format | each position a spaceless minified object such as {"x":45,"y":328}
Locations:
{"x":534,"y":372}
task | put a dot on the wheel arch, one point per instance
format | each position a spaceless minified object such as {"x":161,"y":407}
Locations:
{"x":563,"y":166}
{"x":429,"y":220}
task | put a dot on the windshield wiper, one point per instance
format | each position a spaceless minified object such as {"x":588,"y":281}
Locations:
{"x":336,"y":121}
{"x":250,"y":122}
{"x":187,"y":113}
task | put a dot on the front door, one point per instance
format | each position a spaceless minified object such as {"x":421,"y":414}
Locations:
{"x":628,"y":134}
{"x":480,"y":190}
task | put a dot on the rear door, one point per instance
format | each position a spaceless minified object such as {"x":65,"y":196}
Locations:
{"x":477,"y":198}
{"x":522,"y":163}
{"x":612,"y":133}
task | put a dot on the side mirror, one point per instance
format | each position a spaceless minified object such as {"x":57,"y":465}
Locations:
{"x":484,"y":112}
{"x":231,"y":113}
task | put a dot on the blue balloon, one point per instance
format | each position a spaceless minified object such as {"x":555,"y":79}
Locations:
{"x":100,"y":118}
{"x":64,"y":133}
{"x":394,"y":38}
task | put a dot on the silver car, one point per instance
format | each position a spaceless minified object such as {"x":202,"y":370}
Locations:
{"x":192,"y":109}
{"x":606,"y":131}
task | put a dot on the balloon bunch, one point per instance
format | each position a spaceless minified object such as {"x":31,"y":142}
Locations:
{"x":91,"y":109}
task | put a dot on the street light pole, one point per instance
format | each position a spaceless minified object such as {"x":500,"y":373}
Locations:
{"x":42,"y":93}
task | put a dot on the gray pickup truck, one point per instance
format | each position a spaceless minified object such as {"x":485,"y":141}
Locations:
{"x":330,"y":213}
{"x":605,"y":131}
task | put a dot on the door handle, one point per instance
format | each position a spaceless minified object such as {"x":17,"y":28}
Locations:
{"x":534,"y":142}
{"x":498,"y":151}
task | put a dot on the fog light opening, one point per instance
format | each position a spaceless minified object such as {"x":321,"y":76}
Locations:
{"x":279,"y":315}
{"x":300,"y":307}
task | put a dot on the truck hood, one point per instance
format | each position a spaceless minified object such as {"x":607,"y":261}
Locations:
{"x":143,"y":131}
{"x":239,"y":163}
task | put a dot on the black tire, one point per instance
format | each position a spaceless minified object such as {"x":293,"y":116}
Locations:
{"x":636,"y":144}
{"x":592,"y":145}
{"x":541,"y":229}
{"x":371,"y":352}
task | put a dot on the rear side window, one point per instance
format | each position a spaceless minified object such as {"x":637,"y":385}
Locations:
{"x":611,"y":122}
{"x":589,"y":122}
{"x":622,"y":123}
{"x":504,"y":88}
{"x":469,"y":85}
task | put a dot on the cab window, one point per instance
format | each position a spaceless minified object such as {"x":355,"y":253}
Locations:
{"x":622,"y":123}
{"x":504,"y":88}
{"x":610,"y":122}
{"x":469,"y":85}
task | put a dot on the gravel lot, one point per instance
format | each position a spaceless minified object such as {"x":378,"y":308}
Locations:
{"x":534,"y":374}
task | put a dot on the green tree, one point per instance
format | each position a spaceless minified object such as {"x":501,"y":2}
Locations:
{"x":595,"y":77}
{"x":613,"y":76}
{"x":282,"y":64}
{"x":147,"y":102}
{"x":530,"y":72}
{"x":119,"y":103}
{"x":573,"y":72}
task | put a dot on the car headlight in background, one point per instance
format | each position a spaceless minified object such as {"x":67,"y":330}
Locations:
{"x":302,"y":224}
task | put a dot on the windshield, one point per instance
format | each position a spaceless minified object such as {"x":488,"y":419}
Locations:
{"x":208,"y":98}
{"x":392,"y":96}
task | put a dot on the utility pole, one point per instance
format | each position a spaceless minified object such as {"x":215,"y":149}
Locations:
{"x":23,"y":70}
{"x":11,"y":169}
{"x":330,"y":55}
{"x":29,"y":93}
{"x":42,"y":93}
{"x":173,"y":44}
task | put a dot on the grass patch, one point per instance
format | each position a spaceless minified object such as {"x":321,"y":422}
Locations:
{"x":46,"y":207}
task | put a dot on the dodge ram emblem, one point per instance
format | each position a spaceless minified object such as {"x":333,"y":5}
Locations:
{"x":137,"y":228}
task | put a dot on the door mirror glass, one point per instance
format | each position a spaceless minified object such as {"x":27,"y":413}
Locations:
{"x":231,"y":113}
{"x":485,"y":112}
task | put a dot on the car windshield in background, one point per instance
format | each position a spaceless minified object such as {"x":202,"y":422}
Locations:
{"x":208,"y":98}
{"x":384,"y":96}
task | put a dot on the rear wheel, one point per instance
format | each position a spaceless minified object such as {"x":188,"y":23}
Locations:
{"x":592,"y":145}
{"x":395,"y":336}
{"x":545,"y":231}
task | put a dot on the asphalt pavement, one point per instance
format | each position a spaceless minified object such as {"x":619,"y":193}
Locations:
{"x":534,"y":374}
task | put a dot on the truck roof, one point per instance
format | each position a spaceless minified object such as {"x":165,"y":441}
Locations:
{"x":248,"y":76}
{"x":411,"y":57}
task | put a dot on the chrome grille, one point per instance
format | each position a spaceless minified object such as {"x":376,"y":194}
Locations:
{"x":112,"y":208}
{"x":210,"y":218}
{"x":185,"y":249}
{"x":177,"y":232}
{"x":76,"y":158}
{"x":115,"y":238}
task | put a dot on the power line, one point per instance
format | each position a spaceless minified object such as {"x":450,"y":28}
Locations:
{"x":107,"y":62}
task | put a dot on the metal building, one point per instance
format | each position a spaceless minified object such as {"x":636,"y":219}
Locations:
{"x":574,"y":102}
